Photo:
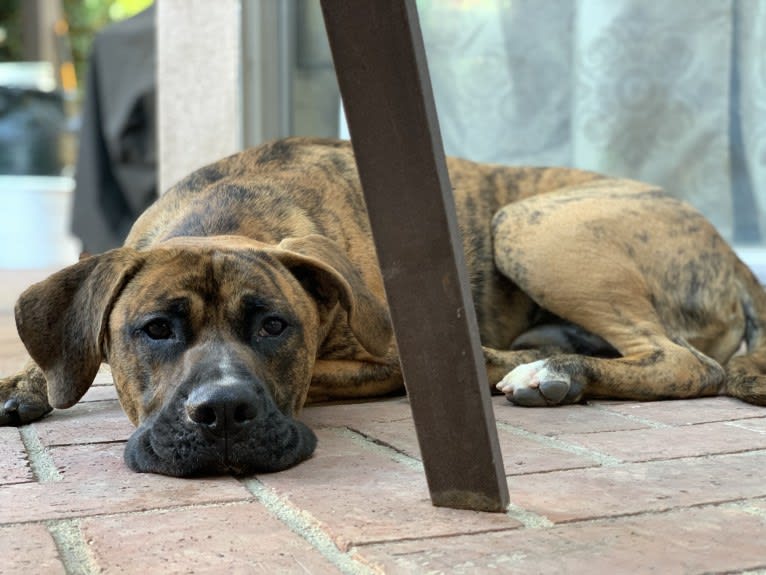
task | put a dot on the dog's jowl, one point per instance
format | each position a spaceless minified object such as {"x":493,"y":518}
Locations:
{"x":252,"y":288}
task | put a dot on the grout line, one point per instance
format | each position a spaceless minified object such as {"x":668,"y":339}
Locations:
{"x":136,"y":512}
{"x":634,"y":418}
{"x":308,"y":527}
{"x":742,"y":424}
{"x":40,"y":460}
{"x":72,"y":547}
{"x":749,"y":508}
{"x":602,"y":459}
{"x":380,"y":447}
{"x":84,"y":443}
{"x":744,"y":505}
{"x":659,"y":425}
{"x":529,"y":519}
{"x":434,"y":536}
{"x":66,"y":533}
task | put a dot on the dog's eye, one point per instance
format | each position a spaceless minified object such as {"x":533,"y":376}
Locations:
{"x":272,"y":326}
{"x":159,"y":329}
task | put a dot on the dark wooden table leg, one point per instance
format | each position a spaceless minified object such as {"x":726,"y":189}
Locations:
{"x":381,"y":67}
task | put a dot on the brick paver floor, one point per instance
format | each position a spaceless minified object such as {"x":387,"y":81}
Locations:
{"x":608,"y":487}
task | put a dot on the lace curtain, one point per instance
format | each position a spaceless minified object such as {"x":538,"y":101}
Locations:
{"x":672,"y":93}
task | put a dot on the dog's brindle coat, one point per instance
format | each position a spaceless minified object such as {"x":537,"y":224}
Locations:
{"x":252,"y":287}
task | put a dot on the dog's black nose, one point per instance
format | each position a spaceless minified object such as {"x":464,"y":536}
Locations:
{"x":223,"y":410}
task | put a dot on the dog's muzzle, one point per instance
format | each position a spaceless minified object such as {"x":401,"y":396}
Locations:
{"x":219,"y":427}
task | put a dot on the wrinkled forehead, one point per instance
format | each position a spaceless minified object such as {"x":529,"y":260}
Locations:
{"x":209,"y":277}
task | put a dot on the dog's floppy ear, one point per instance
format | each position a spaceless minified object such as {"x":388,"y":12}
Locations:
{"x":62,"y":321}
{"x":325,"y":270}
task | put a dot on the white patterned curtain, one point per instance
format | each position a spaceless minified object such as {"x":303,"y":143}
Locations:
{"x":672,"y":93}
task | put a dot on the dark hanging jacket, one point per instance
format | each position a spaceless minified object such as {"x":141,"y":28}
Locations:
{"x":116,"y":175}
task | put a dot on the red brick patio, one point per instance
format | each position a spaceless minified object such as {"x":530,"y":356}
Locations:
{"x":609,"y":487}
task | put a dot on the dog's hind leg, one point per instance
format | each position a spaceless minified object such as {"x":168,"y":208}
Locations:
{"x":551,"y":339}
{"x":569,"y":258}
{"x":648,"y":363}
{"x":746,"y":374}
{"x":642,"y":361}
{"x":662,"y":370}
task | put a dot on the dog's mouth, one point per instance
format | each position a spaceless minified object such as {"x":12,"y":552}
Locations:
{"x":161,"y":450}
{"x":217,"y":431}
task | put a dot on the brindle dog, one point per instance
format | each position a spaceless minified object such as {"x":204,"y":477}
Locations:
{"x":252,"y":287}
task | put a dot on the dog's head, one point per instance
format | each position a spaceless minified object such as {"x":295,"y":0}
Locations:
{"x":211,"y":341}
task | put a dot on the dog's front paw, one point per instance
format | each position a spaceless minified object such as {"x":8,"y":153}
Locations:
{"x":23,"y":398}
{"x":536,"y":384}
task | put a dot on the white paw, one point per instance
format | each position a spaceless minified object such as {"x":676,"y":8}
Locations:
{"x":535,"y":384}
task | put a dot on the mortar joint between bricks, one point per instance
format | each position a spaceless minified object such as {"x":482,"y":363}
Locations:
{"x":305,"y":525}
{"x":602,"y":459}
{"x":40,"y":461}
